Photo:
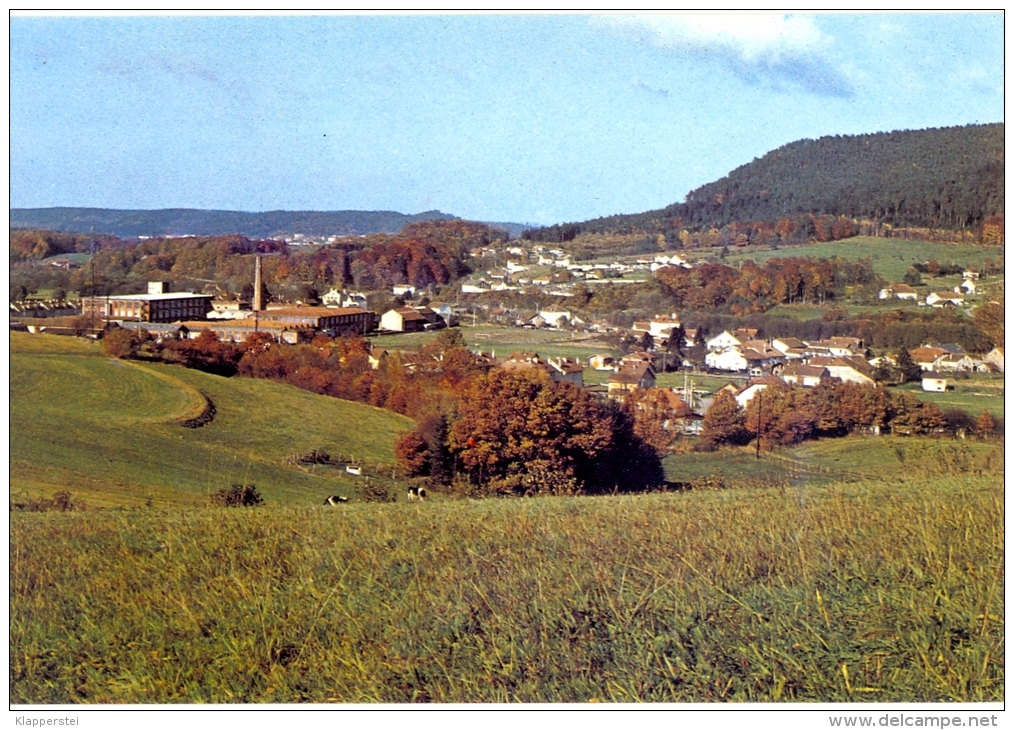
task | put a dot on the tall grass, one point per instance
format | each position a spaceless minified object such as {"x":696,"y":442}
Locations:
{"x":882,"y":591}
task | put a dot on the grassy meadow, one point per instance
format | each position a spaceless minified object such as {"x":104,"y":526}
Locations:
{"x":852,"y":570}
{"x":877,"y":591}
{"x":110,"y":431}
{"x":891,"y":257}
{"x":975,"y":394}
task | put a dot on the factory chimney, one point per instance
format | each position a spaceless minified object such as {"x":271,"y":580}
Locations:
{"x":257,"y":304}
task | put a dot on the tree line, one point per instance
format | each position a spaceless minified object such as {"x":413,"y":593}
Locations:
{"x":783,"y":415}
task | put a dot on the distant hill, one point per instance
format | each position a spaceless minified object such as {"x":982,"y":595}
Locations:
{"x":950,"y":178}
{"x":190,"y":221}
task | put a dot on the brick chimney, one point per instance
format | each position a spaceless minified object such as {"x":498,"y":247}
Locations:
{"x":257,"y":304}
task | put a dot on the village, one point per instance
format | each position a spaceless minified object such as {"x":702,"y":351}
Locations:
{"x":751,"y":360}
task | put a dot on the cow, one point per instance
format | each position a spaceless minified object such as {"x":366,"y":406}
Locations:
{"x":335,"y":500}
{"x":415,"y":493}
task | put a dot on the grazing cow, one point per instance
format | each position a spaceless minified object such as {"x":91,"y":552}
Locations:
{"x":335,"y":500}
{"x":415,"y":493}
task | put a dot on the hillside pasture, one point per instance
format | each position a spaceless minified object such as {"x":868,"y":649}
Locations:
{"x":110,"y":432}
{"x":880,"y":591}
{"x":891,"y":257}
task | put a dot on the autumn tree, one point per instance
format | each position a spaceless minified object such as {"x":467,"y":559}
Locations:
{"x":989,"y":317}
{"x":985,"y":425}
{"x":655,"y":412}
{"x":723,"y":421}
{"x":521,"y":433}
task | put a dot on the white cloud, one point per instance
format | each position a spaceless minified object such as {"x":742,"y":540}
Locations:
{"x":752,"y":36}
{"x":758,"y":47}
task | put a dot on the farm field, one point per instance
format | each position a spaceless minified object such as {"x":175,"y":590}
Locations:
{"x":891,"y":257}
{"x":876,"y":591}
{"x":109,"y":431}
{"x":978,"y":393}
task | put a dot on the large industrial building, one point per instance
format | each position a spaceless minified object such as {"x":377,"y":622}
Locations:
{"x":158,"y":305}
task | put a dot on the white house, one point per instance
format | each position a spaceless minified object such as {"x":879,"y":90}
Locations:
{"x":940,"y":299}
{"x":968,"y":285}
{"x":555,"y":319}
{"x":904,"y":291}
{"x":846,"y":369}
{"x":807,"y":376}
{"x":995,"y":358}
{"x":731,"y":360}
{"x":933,"y":383}
{"x":752,"y":388}
{"x":602,"y":362}
{"x":723,"y":341}
{"x":403,"y":290}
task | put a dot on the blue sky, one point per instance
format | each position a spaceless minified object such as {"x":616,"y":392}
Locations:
{"x":522,"y":118}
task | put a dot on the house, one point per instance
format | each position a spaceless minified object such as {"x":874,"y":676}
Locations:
{"x":995,"y":358}
{"x":839,"y":346}
{"x":402,"y":290}
{"x":445,"y":312}
{"x":476,"y":287}
{"x":602,"y":362}
{"x":661,"y":327}
{"x":904,"y":291}
{"x":886,"y":293}
{"x":807,"y":376}
{"x":846,"y":369}
{"x":761,"y":357}
{"x":755,"y":386}
{"x":954,"y":362}
{"x":933,"y":383}
{"x":970,"y":274}
{"x":377,"y":357}
{"x":404,"y":319}
{"x":567,"y":369}
{"x":631,"y":376}
{"x":730,"y":360}
{"x":941,"y":299}
{"x":786,"y":344}
{"x":926,"y":356}
{"x":333,"y":298}
{"x":555,"y":319}
{"x":968,"y":285}
{"x":723,"y":342}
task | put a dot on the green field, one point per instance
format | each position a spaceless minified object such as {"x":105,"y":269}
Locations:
{"x":980,"y":392}
{"x":892,"y":257}
{"x":505,"y":340}
{"x":109,"y":431}
{"x":852,"y":459}
{"x":883,"y":591}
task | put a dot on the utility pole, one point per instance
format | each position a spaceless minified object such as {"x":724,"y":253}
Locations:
{"x":760,"y":404}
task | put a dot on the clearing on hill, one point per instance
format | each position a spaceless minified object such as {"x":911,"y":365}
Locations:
{"x":111,"y":431}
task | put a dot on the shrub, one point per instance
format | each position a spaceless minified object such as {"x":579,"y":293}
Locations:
{"x":238,"y":495}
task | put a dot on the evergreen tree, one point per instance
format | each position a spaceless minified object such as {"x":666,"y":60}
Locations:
{"x":908,"y":369}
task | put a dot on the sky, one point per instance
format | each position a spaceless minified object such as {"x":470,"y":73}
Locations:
{"x":533,"y":119}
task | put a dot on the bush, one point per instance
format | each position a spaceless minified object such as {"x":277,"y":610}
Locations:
{"x":238,"y":495}
{"x":375,"y":492}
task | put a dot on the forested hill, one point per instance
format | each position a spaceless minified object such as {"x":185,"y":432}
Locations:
{"x":950,"y":178}
{"x":188,"y":221}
